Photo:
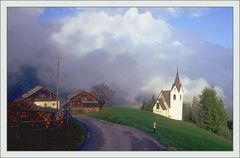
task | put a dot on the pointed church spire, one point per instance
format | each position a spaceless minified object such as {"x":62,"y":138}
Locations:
{"x":177,"y":82}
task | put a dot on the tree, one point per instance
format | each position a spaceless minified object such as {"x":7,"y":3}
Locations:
{"x":214,"y":114}
{"x":187,"y":112}
{"x":148,"y":104}
{"x":103,"y":93}
{"x":197,"y":112}
{"x":230,"y":124}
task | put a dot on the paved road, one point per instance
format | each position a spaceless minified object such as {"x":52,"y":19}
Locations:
{"x":107,"y":136}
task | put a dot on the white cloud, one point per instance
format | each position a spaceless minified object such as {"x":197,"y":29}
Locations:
{"x":151,"y":43}
{"x":191,"y":87}
{"x":177,"y":43}
{"x":97,"y":30}
{"x":187,"y":12}
{"x":156,"y":84}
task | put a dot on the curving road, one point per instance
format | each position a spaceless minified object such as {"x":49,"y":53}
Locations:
{"x":107,"y":136}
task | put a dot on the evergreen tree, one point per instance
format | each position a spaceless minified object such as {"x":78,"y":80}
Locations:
{"x":144,"y":104}
{"x":148,"y":104}
{"x":187,"y":112}
{"x":214,"y":114}
{"x":208,"y":101}
{"x":197,"y":112}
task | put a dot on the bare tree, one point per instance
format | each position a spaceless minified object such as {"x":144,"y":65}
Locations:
{"x":103,"y":93}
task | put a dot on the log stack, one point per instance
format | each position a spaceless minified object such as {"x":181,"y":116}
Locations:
{"x":25,"y":110}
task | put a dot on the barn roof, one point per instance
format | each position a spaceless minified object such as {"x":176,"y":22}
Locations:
{"x":74,"y":94}
{"x":65,"y":103}
{"x":35,"y":90}
{"x":32,"y":91}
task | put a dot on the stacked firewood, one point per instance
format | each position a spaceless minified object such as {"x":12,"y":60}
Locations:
{"x":15,"y":110}
{"x":34,"y":116}
{"x":59,"y":118}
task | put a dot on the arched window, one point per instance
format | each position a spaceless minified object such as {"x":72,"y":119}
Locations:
{"x":174,"y":97}
{"x":180,"y":96}
{"x":157,"y":105}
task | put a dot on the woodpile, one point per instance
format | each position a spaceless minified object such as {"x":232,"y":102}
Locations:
{"x":59,"y":118}
{"x":21,"y":110}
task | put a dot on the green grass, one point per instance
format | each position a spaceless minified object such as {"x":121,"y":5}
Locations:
{"x":64,"y":139}
{"x":177,"y":135}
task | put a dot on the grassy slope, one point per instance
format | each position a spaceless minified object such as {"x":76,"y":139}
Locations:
{"x":178,"y":134}
{"x":65,"y":139}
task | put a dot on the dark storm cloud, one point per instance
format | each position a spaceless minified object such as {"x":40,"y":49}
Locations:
{"x":29,"y":51}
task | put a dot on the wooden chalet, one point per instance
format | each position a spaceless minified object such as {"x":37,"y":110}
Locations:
{"x":82,"y":101}
{"x":42,"y":97}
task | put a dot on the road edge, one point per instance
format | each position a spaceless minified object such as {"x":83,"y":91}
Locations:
{"x":86,"y":133}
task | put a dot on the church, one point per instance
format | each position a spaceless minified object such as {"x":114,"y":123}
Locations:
{"x":170,"y":102}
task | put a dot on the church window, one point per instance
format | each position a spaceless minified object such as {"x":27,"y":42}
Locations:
{"x":180,"y":96}
{"x":157,"y":105}
{"x":174,"y":97}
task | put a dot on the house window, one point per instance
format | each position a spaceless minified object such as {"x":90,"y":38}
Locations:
{"x":180,"y":96}
{"x":157,"y":105}
{"x":174,"y":97}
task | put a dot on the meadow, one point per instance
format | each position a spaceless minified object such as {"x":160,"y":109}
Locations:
{"x":176,"y":135}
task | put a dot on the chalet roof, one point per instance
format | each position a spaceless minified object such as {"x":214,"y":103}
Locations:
{"x":35,"y":90}
{"x":32,"y":91}
{"x":74,"y":94}
{"x":166,"y":95}
{"x":177,"y":82}
{"x":162,"y":103}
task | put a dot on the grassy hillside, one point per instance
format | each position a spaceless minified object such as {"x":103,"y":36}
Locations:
{"x":177,"y":134}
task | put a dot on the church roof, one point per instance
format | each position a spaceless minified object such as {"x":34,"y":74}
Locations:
{"x":177,"y":82}
{"x":166,"y":95}
{"x":161,"y":103}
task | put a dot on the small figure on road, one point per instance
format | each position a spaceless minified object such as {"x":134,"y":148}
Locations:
{"x":154,"y":126}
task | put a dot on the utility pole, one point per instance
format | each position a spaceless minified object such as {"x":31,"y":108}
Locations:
{"x":57,"y":84}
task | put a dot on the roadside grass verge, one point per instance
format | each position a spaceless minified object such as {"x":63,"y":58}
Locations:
{"x":177,"y":135}
{"x":67,"y":138}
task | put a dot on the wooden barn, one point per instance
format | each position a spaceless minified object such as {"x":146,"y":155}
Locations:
{"x":82,"y":101}
{"x":42,"y":97}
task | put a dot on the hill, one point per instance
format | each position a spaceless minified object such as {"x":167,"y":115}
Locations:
{"x":177,"y":135}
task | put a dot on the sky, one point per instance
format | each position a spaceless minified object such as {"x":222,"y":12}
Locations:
{"x":136,"y":51}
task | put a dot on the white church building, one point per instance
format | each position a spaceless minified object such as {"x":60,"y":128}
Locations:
{"x":170,"y":102}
